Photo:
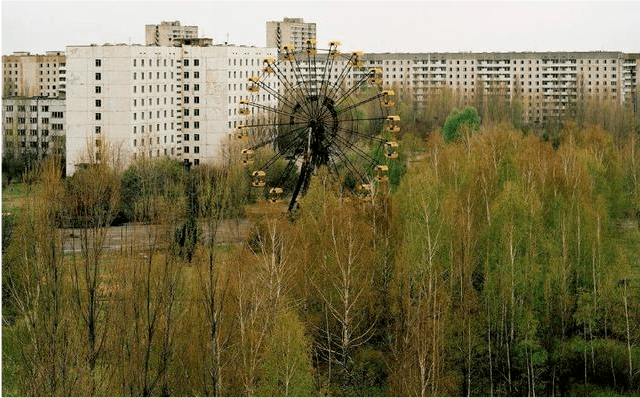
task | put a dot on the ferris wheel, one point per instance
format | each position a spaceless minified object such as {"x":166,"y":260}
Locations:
{"x":331,"y":111}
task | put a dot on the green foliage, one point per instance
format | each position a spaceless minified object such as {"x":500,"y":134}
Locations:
{"x":287,"y":364}
{"x":15,"y":165}
{"x":540,"y":280}
{"x":8,"y":306}
{"x":458,"y":120}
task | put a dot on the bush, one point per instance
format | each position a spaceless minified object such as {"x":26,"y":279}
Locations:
{"x":459,"y":119}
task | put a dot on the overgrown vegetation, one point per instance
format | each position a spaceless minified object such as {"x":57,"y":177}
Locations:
{"x":501,"y":262}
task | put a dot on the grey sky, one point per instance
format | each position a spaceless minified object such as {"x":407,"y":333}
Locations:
{"x":370,"y":26}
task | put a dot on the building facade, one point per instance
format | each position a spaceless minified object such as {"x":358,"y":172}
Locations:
{"x":156,"y":101}
{"x":33,"y":126}
{"x":33,"y":75}
{"x":166,"y":33}
{"x":548,"y":84}
{"x":289,"y":31}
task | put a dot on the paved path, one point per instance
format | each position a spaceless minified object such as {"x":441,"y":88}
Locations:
{"x":142,"y":236}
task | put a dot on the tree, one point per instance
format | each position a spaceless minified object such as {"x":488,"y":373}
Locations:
{"x":39,"y":291}
{"x":286,"y":366}
{"x":458,"y":120}
{"x":92,"y":197}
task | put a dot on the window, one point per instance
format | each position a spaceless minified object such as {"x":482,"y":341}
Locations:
{"x":98,"y":62}
{"x":33,"y":120}
{"x":44,"y":108}
{"x":186,"y":149}
{"x":33,"y":108}
{"x":186,"y":87}
{"x":186,"y":62}
{"x":196,"y":112}
{"x":196,"y":62}
{"x":186,"y":125}
{"x":196,"y":125}
{"x":196,"y":87}
{"x":196,"y":100}
{"x":196,"y":149}
{"x":21,"y":120}
{"x":196,"y":162}
{"x":186,"y":137}
{"x":196,"y":75}
{"x":98,"y":103}
{"x":135,"y":142}
{"x":98,"y":116}
{"x":56,"y":126}
{"x":45,"y":120}
{"x":186,"y":100}
{"x":98,"y":129}
{"x":186,"y":75}
{"x":98,"y":76}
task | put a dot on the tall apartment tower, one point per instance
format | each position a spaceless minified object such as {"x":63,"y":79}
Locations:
{"x":30,"y":75}
{"x":290,"y":30}
{"x":153,"y":101}
{"x":167,"y":33}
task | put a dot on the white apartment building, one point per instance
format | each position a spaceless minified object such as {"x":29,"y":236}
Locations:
{"x":31,"y":75}
{"x":548,"y":84}
{"x":33,"y":125}
{"x":167,"y":33}
{"x":289,"y":31}
{"x":154,"y":101}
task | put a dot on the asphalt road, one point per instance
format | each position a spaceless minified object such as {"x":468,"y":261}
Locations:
{"x":142,"y":236}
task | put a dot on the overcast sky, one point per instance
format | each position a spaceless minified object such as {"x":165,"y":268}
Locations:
{"x":370,"y":26}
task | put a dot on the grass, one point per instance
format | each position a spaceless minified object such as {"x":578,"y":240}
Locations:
{"x":13,"y":197}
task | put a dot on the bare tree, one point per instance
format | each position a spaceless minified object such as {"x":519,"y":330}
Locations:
{"x":38,"y":287}
{"x":92,"y":198}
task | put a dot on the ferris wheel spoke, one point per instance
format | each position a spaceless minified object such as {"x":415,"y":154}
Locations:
{"x":288,"y":86}
{"x":300,"y":81}
{"x":273,"y":125}
{"x":287,"y":171}
{"x":272,"y":139}
{"x":363,"y":135}
{"x":282,"y":151}
{"x":355,"y":149}
{"x":268,"y":108}
{"x":350,"y":166}
{"x":352,"y":90}
{"x":364,"y":119}
{"x":358,"y":104}
{"x":331,"y":52}
{"x":273,"y":92}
